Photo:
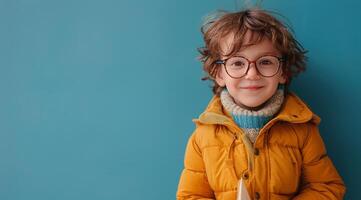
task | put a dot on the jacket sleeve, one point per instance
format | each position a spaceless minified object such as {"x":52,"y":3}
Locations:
{"x":193,"y":183}
{"x":320,"y":179}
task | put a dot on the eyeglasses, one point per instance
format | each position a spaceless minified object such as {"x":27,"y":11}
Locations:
{"x":238,"y":66}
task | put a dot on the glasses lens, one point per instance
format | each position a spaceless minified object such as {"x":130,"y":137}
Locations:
{"x":268,"y":65}
{"x":236,"y":66}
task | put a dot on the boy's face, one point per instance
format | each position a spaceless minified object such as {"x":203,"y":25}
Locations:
{"x":252,"y":90}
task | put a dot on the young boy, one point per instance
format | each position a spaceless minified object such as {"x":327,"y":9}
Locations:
{"x":253,"y":129}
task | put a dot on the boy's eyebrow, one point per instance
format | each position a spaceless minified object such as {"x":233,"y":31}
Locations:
{"x":260,"y":54}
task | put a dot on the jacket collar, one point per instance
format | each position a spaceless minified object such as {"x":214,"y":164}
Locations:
{"x":294,"y":110}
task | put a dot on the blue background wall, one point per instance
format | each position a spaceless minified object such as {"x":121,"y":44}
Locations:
{"x":97,"y":97}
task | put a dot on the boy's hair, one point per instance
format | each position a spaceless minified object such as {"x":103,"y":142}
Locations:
{"x":260,"y":24}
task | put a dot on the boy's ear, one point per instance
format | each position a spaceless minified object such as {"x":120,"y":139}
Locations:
{"x":282,"y":79}
{"x":220,"y":78}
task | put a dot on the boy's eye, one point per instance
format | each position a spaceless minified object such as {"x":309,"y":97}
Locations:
{"x":236,"y":63}
{"x":266,"y":62}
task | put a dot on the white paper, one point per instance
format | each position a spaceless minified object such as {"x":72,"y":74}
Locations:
{"x":242,"y":193}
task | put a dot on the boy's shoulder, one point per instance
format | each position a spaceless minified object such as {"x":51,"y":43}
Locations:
{"x":296,"y":110}
{"x":212,"y":135}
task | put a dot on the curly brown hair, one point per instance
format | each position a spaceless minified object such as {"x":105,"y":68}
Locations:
{"x":260,"y":23}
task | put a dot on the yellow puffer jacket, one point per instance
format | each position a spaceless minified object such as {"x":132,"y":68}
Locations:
{"x":287,"y":161}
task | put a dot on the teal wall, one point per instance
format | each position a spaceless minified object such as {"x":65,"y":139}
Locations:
{"x":97,"y":97}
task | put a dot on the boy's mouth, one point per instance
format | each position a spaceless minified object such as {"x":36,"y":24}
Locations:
{"x":252,"y":87}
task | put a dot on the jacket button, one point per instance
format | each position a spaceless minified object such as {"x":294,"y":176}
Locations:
{"x":257,"y":195}
{"x":245,"y":175}
{"x":256,"y":151}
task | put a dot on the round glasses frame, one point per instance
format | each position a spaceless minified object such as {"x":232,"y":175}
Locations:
{"x":223,"y":62}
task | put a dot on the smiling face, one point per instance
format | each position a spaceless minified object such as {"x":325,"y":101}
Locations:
{"x":252,"y":90}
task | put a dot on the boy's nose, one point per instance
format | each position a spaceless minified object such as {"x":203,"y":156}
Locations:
{"x":252,"y":73}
